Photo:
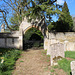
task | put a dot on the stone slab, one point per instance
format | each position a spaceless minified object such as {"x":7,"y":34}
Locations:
{"x":57,"y":52}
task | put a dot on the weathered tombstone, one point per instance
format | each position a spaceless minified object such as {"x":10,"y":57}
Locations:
{"x":2,"y":27}
{"x":51,"y":41}
{"x":57,"y":52}
{"x":73,"y":67}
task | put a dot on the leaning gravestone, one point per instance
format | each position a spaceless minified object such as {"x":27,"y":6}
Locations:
{"x":73,"y":67}
{"x":57,"y":52}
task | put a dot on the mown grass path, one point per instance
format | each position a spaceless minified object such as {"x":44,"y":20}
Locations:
{"x":33,"y":62}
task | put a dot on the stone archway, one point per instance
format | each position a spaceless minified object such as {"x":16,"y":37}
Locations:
{"x":32,"y":38}
{"x":25,"y":25}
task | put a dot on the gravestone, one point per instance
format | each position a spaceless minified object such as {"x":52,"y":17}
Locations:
{"x":57,"y":52}
{"x":73,"y":67}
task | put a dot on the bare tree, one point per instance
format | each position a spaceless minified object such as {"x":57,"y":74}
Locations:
{"x":18,"y":7}
{"x":4,"y":18}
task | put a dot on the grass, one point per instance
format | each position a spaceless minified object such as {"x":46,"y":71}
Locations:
{"x":55,"y":67}
{"x":9,"y":56}
{"x":48,"y":58}
{"x":52,"y":70}
{"x":21,"y":61}
{"x":70,"y":54}
{"x":44,"y":52}
{"x":46,"y":68}
{"x":64,"y":63}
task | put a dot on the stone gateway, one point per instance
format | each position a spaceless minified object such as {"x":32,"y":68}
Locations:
{"x":14,"y":39}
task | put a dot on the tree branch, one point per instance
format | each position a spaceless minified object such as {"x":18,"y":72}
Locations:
{"x":6,"y":21}
{"x":11,"y":6}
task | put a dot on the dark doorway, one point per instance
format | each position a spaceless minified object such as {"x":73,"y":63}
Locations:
{"x":33,"y":38}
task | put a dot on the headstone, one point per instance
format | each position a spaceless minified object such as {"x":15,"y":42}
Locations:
{"x":57,"y":52}
{"x":73,"y":67}
{"x":2,"y":27}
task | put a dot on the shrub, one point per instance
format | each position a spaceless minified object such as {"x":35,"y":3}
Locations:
{"x":3,"y":67}
{"x":42,"y":44}
{"x":10,"y":57}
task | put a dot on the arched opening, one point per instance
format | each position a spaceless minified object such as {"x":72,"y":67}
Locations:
{"x":35,"y":37}
{"x":32,"y":38}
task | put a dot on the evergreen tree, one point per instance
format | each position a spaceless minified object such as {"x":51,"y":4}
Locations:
{"x":73,"y":23}
{"x":65,"y":22}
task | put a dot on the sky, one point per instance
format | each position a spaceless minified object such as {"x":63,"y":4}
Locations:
{"x":71,"y":5}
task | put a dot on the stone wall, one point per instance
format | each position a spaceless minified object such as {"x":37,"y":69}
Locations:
{"x":68,"y":38}
{"x":11,"y":40}
{"x":15,"y":40}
